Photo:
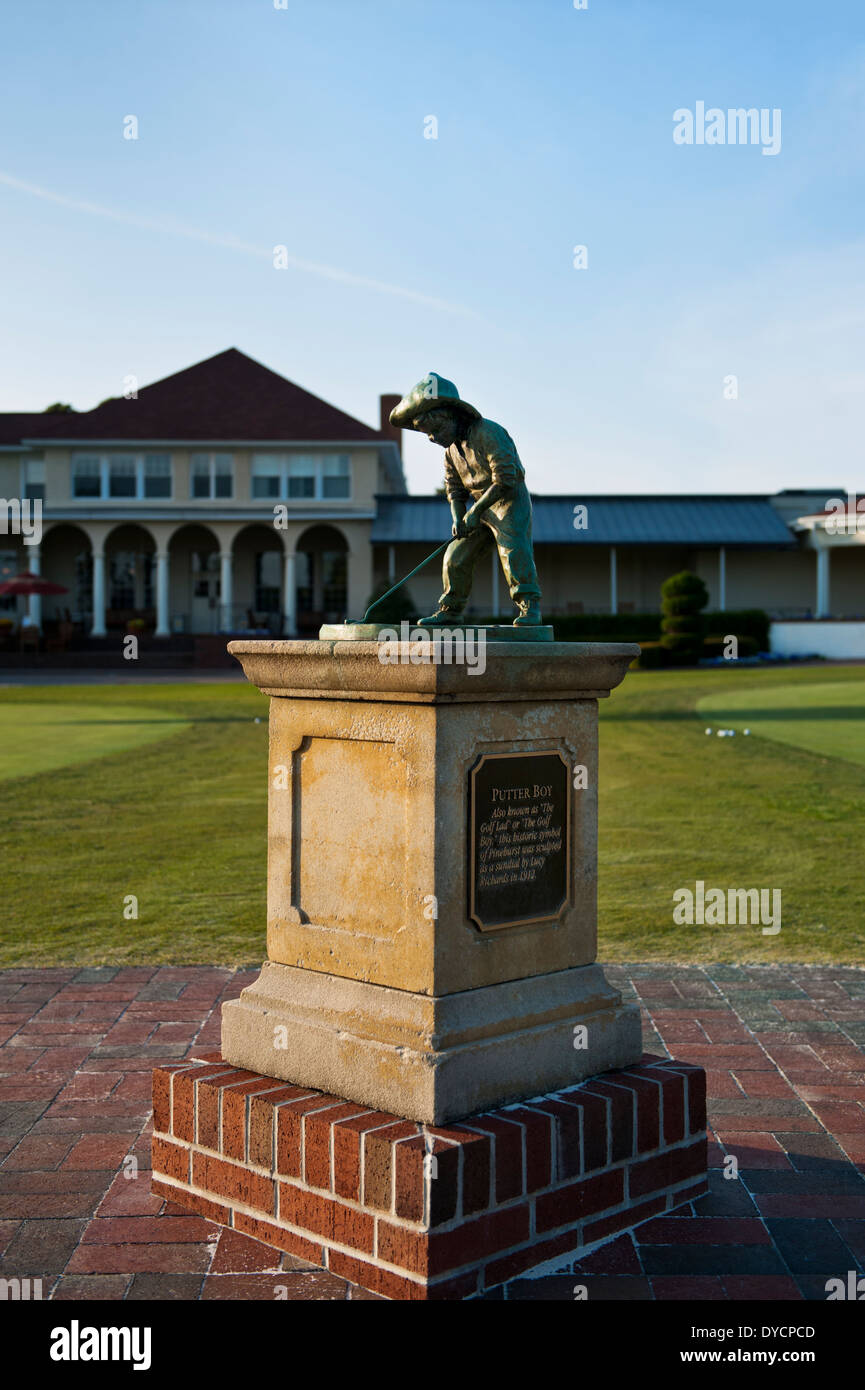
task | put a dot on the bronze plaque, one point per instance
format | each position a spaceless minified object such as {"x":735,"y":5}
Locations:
{"x":519,"y":839}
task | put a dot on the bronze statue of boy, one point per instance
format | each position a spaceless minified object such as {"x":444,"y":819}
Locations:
{"x":486,"y":488}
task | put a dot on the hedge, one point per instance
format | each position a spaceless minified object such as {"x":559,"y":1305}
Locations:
{"x":646,"y":627}
{"x":654,"y":656}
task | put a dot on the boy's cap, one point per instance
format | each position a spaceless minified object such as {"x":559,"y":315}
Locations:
{"x":430,"y":393}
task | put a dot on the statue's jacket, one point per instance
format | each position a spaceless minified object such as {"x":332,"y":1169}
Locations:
{"x":488,"y":455}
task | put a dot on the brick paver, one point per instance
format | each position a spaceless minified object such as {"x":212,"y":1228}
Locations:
{"x":784,"y":1051}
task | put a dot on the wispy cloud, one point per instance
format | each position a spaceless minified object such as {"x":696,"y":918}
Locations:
{"x":169,"y":228}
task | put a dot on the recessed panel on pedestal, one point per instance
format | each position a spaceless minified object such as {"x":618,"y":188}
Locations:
{"x":349,"y":834}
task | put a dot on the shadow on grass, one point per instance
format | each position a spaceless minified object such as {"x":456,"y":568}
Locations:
{"x":169,"y":719}
{"x":754,"y":716}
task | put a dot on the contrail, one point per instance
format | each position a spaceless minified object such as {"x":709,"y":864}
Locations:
{"x":328,"y":272}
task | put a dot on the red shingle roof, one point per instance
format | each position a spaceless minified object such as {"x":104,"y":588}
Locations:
{"x":16,"y":426}
{"x":226,"y":397}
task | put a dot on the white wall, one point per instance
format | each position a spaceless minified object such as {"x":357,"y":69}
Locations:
{"x":837,"y":641}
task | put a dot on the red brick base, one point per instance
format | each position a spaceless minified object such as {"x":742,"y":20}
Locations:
{"x":416,"y":1212}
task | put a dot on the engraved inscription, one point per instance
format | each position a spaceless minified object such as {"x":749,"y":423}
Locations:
{"x":519,"y":839}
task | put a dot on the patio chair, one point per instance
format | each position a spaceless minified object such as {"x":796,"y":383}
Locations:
{"x":61,"y":640}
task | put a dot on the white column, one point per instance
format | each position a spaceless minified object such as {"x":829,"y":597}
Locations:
{"x":226,"y":590}
{"x":289,"y":597}
{"x":391,"y":564}
{"x":823,"y":582}
{"x":163,"y":625}
{"x":495,"y":581}
{"x":722,"y":579}
{"x":34,"y":565}
{"x":614,"y":580}
{"x":98,"y":628}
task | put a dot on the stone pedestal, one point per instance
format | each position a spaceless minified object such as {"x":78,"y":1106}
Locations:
{"x":432,"y":875}
{"x":402,"y":1095}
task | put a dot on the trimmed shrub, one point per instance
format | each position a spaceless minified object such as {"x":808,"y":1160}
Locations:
{"x":683,"y":595}
{"x":682,"y":622}
{"x":685,"y":584}
{"x":678,"y":604}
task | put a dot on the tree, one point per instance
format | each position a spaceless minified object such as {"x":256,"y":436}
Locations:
{"x":59,"y":408}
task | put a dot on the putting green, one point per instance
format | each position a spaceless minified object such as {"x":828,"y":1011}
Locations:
{"x":41,"y":738}
{"x":823,"y":717}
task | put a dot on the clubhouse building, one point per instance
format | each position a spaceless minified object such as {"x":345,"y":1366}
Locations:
{"x":226,"y":499}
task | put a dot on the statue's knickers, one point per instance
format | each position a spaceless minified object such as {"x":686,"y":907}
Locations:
{"x":508,"y":525}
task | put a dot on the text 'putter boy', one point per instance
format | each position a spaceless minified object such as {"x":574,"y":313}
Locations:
{"x":489,"y":501}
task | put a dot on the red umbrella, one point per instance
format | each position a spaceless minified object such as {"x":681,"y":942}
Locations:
{"x":31,"y":584}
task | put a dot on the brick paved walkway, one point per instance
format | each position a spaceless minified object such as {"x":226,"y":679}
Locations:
{"x":784,"y":1049}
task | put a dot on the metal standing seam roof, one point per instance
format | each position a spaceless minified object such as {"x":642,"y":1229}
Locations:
{"x":742,"y":522}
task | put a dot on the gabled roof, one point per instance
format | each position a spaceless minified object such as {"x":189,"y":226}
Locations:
{"x":15,"y":426}
{"x":627,"y":520}
{"x":229,"y":398}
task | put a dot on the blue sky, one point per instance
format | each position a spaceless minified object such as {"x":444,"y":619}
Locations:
{"x":304,"y":127}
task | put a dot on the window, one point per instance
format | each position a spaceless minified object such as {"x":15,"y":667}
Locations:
{"x":83,"y":589}
{"x":130,"y":580}
{"x":325,"y":477}
{"x":305,"y":585}
{"x":34,"y":480}
{"x":267,"y":475}
{"x":121,"y":580}
{"x":268,"y":581}
{"x":223,"y":475}
{"x":87,"y":477}
{"x":8,"y":568}
{"x":205,"y":574}
{"x":157,"y":475}
{"x":121,"y":479}
{"x":212,"y":475}
{"x":301,"y":476}
{"x":336,"y":478}
{"x":138,"y":476}
{"x":334,"y":578}
{"x":201,"y":477}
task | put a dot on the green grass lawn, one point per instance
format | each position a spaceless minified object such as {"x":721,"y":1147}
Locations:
{"x":826,"y":717}
{"x":160,"y":790}
{"x":61,"y":734}
{"x":784,"y":811}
